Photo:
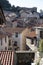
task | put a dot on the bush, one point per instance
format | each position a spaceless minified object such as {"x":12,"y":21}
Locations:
{"x":41,"y":45}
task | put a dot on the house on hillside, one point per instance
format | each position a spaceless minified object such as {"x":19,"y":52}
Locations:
{"x":15,"y":23}
{"x":39,"y":33}
{"x":9,"y":16}
{"x":18,"y":37}
{"x":31,"y":41}
{"x":29,"y":14}
{"x":4,"y":41}
{"x":18,"y":23}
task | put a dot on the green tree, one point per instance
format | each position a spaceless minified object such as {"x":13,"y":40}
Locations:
{"x":5,"y":4}
{"x":13,"y":8}
{"x":41,"y":45}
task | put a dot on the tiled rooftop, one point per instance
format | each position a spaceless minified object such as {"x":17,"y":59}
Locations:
{"x":6,"y":57}
{"x":12,"y":30}
{"x":31,"y":34}
{"x":2,"y":34}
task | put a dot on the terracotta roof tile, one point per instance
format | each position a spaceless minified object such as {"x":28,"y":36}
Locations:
{"x":12,"y":30}
{"x":31,"y":34}
{"x":6,"y":57}
{"x":2,"y":35}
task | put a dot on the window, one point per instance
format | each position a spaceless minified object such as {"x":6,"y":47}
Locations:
{"x":9,"y":48}
{"x":5,"y":48}
{"x":1,"y":21}
{"x":41,"y":34}
{"x":32,"y":41}
{"x":1,"y":41}
{"x":16,"y":34}
{"x":5,"y":39}
{"x":15,"y":43}
{"x":9,"y":42}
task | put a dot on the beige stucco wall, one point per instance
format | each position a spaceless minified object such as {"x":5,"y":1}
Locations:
{"x":24,"y":33}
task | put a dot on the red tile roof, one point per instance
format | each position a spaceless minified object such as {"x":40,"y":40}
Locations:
{"x":2,"y":34}
{"x":31,"y":34}
{"x":6,"y":57}
{"x":13,"y":30}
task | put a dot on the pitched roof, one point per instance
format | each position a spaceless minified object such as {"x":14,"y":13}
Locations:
{"x":13,"y":30}
{"x":2,"y":34}
{"x":31,"y":34}
{"x":6,"y":57}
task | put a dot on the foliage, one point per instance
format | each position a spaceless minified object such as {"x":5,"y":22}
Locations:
{"x":37,"y":63}
{"x":41,"y":45}
{"x":5,"y":4}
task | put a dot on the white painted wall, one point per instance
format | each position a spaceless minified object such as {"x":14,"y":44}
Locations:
{"x":28,"y":41}
{"x":41,"y":61}
{"x":4,"y":44}
{"x":18,"y":39}
{"x":38,"y":32}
